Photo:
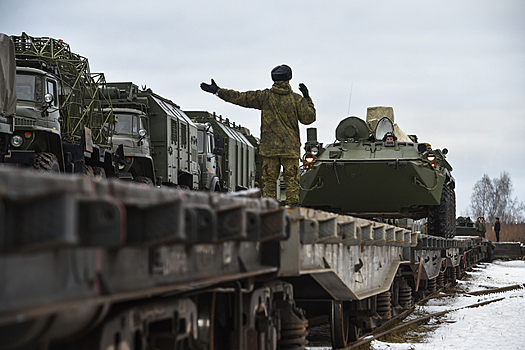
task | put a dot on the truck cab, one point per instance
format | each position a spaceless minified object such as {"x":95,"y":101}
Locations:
{"x":36,"y":137}
{"x":132,"y":132}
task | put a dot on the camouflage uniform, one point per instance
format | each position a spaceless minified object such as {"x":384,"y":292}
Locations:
{"x":282,"y":110}
{"x":481,"y":227}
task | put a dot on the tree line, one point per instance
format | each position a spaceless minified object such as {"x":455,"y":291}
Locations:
{"x":492,"y":198}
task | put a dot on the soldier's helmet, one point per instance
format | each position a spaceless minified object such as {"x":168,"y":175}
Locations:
{"x":389,"y":134}
{"x":282,"y":73}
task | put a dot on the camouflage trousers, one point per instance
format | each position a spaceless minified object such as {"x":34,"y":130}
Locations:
{"x":270,"y":173}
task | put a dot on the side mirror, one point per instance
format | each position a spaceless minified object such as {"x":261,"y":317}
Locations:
{"x":218,"y":151}
{"x":142,"y":134}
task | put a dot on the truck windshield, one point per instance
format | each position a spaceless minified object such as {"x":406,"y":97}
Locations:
{"x":28,"y":87}
{"x":128,"y":124}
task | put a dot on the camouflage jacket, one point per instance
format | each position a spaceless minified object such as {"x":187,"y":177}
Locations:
{"x":480,"y":226}
{"x":281,"y":112}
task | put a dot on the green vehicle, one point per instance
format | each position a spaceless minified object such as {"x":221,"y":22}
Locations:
{"x":131,"y":132}
{"x":465,"y":226}
{"x":58,"y":125}
{"x":375,"y":170}
{"x":235,"y":153}
{"x":159,"y":140}
{"x":163,"y":145}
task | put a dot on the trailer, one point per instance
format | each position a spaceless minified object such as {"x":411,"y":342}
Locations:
{"x":96,"y":264}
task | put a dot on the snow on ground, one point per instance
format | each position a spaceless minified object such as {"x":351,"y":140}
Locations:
{"x":499,"y":325}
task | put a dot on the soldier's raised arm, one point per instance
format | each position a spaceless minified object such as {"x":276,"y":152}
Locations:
{"x":305,"y":108}
{"x":250,"y":99}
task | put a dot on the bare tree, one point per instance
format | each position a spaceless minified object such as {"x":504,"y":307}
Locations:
{"x":481,"y":198}
{"x":493,"y":198}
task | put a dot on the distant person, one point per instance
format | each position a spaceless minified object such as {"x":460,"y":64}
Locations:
{"x":281,"y":112}
{"x":424,"y":229}
{"x":481,"y":227}
{"x":497,"y":228}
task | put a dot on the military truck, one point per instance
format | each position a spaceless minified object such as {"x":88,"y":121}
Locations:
{"x":58,"y":124}
{"x":163,"y":145}
{"x":236,"y":163}
{"x":159,"y":141}
{"x":131,"y":132}
{"x":375,"y":170}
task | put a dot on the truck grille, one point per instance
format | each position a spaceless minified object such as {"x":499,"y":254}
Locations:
{"x":21,"y":121}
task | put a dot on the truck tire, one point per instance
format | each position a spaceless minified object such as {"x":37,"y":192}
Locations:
{"x":144,"y":180}
{"x":99,"y":172}
{"x":46,"y":162}
{"x":442,"y":217}
{"x":87,"y":170}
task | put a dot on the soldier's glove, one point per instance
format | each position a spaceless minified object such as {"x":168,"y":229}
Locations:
{"x":304,"y":90}
{"x":211,"y":88}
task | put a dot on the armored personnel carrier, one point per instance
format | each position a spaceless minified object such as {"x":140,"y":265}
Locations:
{"x":465,"y":226}
{"x":375,"y":170}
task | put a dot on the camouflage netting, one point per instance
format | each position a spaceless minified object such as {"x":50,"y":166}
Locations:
{"x":82,"y":107}
{"x":375,"y":114}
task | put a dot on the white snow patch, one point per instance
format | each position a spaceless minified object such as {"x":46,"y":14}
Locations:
{"x":499,"y":325}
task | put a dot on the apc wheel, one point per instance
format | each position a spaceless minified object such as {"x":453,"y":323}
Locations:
{"x":46,"y":162}
{"x":144,"y":180}
{"x":442,"y":217}
{"x":343,"y":331}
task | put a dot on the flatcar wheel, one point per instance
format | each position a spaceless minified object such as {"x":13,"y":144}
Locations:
{"x":343,"y":331}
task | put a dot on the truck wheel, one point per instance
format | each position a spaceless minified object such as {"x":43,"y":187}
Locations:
{"x":144,"y":180}
{"x":99,"y":172}
{"x":87,"y":170}
{"x":442,"y":217}
{"x":46,"y":162}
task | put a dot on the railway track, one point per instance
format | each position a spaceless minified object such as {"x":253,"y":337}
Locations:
{"x":393,"y":325}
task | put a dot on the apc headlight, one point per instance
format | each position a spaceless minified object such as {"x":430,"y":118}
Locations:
{"x":17,"y":141}
{"x":314,"y":150}
{"x":431,"y":157}
{"x":309,"y":158}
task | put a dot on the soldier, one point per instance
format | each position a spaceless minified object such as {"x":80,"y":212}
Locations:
{"x":497,"y":227}
{"x":481,"y":227}
{"x":281,"y":112}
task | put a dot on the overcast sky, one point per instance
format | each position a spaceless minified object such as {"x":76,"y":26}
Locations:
{"x":454,"y":71}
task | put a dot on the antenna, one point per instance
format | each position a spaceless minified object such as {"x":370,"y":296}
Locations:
{"x":350,"y":99}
